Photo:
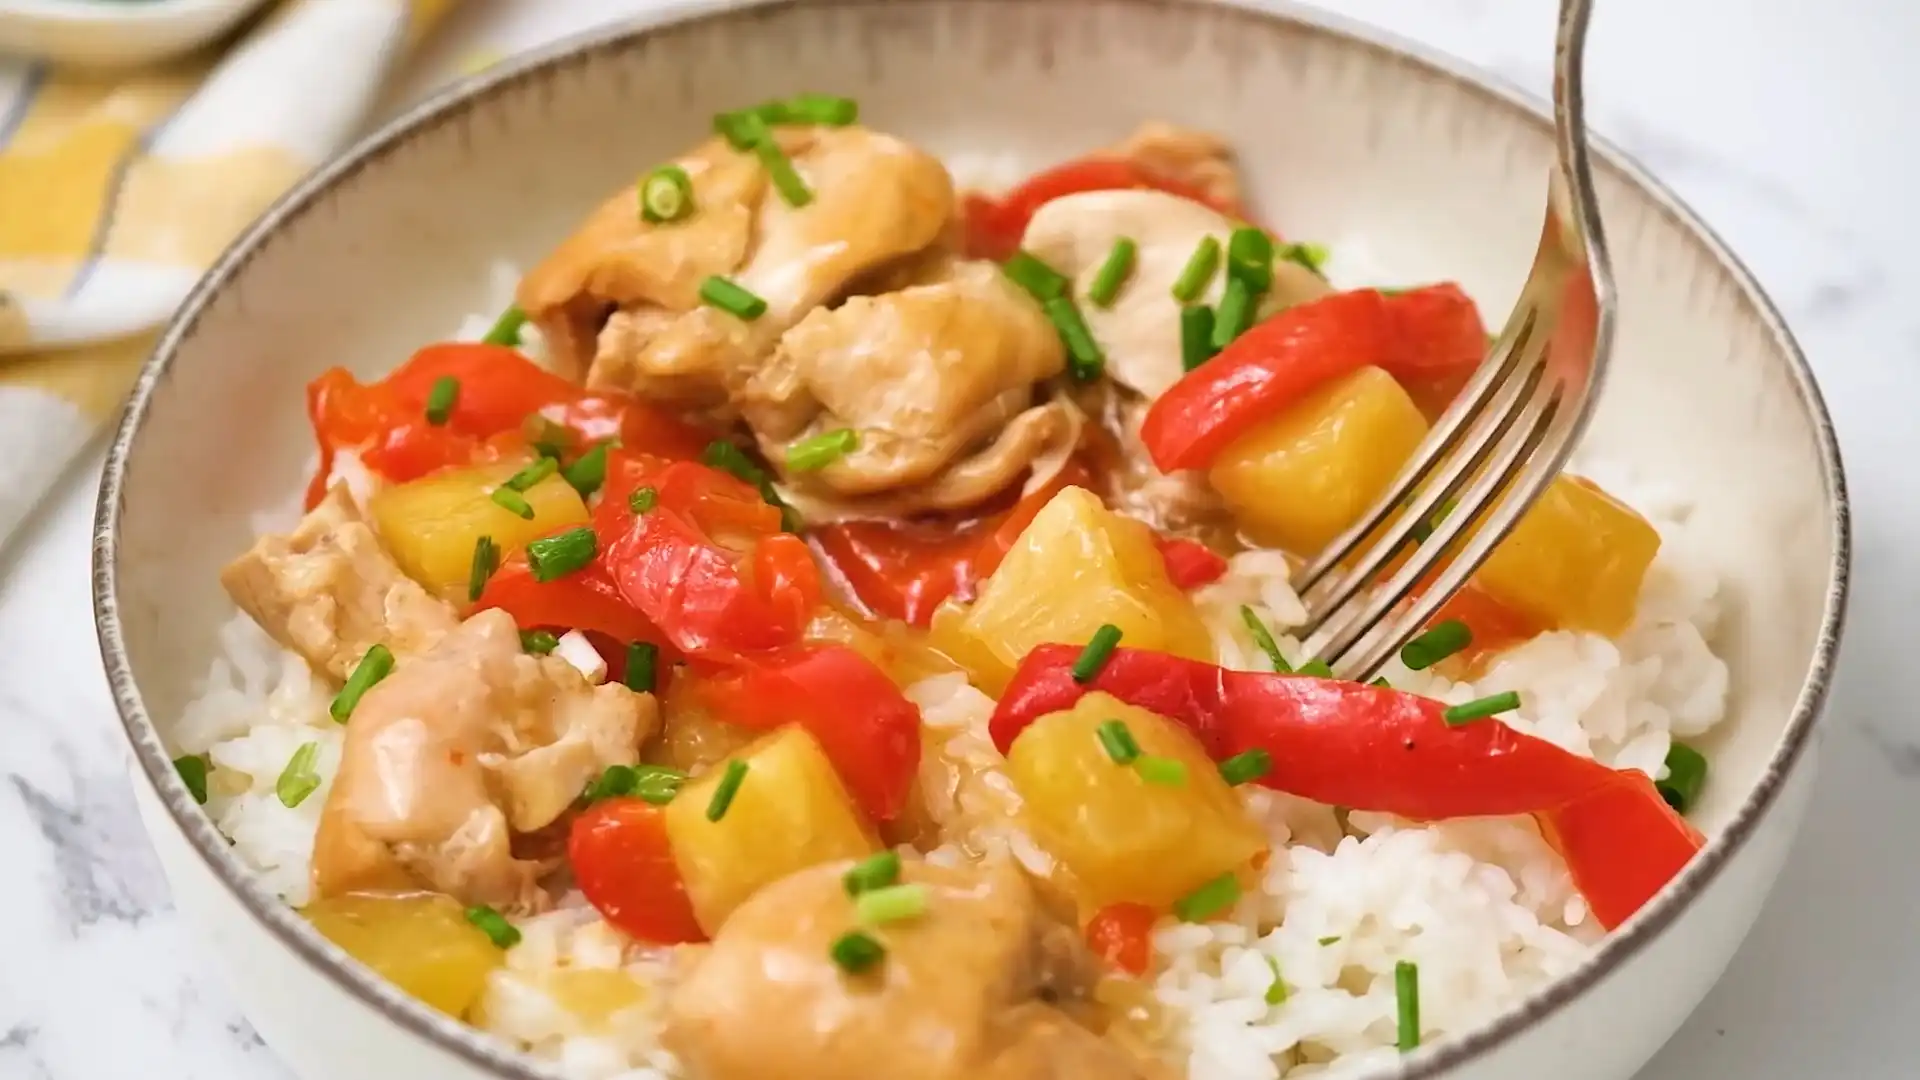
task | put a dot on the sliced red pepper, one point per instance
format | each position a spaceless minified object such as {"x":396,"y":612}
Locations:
{"x":1190,"y":564}
{"x":1435,"y":342}
{"x":1369,"y":748}
{"x":623,"y":862}
{"x":1122,"y":935}
{"x":868,"y":729}
{"x":586,"y":600}
{"x":994,"y":226}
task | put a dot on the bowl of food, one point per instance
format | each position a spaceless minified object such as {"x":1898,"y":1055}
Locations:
{"x":787,"y":584}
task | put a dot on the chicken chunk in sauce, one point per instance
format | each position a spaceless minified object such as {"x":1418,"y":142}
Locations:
{"x":975,"y":988}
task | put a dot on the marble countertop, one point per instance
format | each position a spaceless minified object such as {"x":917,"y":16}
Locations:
{"x":1795,"y":140}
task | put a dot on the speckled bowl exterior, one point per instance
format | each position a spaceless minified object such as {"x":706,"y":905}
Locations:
{"x":1429,"y":170}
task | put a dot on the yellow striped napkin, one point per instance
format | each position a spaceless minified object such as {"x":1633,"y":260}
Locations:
{"x":118,"y":189}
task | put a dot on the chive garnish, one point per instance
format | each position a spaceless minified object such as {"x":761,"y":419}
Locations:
{"x":614,"y":782}
{"x":1042,"y":282}
{"x":557,"y":556}
{"x":1264,"y":638}
{"x":1208,"y":900}
{"x":666,"y":194}
{"x":298,"y":780}
{"x":1686,"y":775}
{"x":486,"y":559}
{"x":643,"y":667}
{"x":1440,"y":641}
{"x":502,"y":933}
{"x":873,"y":872}
{"x":548,"y":439}
{"x":1161,"y":770}
{"x":656,"y":784}
{"x":1118,"y":741}
{"x":1198,"y":272}
{"x":732,"y":299}
{"x":1234,"y":315}
{"x":374,"y":666}
{"x":825,"y":109}
{"x":538,"y":642}
{"x":786,"y":179}
{"x":856,"y":951}
{"x":1246,"y":767}
{"x":744,"y":128}
{"x":193,"y":773}
{"x":1312,"y":256}
{"x":1085,"y":360}
{"x":1423,"y":530}
{"x":729,"y":787}
{"x":1277,"y":989}
{"x":1196,"y":336}
{"x":441,"y":398}
{"x":1331,"y":939}
{"x":1316,"y":669}
{"x":589,"y":470}
{"x":541,"y":468}
{"x":1250,"y":257}
{"x":642,"y":500}
{"x":820,"y":451}
{"x":891,"y":903}
{"x":723,"y":455}
{"x":1113,"y":273}
{"x":1094,"y":656}
{"x":1382,"y":683}
{"x":1481,"y":708}
{"x":506,"y":329}
{"x":1406,"y":998}
{"x":512,"y":501}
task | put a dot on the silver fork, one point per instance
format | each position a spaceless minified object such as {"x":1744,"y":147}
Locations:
{"x":1511,"y":428}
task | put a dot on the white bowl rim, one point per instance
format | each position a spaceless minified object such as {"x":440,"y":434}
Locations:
{"x":453,"y":102}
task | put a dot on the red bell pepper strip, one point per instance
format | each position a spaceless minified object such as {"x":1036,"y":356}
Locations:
{"x":867,"y":728}
{"x":1122,"y":935}
{"x":1435,"y":342}
{"x":623,"y":862}
{"x":1190,"y":564}
{"x":1370,"y":748}
{"x":586,"y":600}
{"x":994,"y":226}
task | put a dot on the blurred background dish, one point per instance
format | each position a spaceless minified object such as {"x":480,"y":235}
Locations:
{"x":113,"y":33}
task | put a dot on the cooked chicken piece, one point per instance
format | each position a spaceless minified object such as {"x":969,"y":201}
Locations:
{"x":1197,"y":159}
{"x":936,"y":380}
{"x":459,"y":750}
{"x":1140,"y":333}
{"x":329,"y":591}
{"x":965,"y":991}
{"x":625,"y":294}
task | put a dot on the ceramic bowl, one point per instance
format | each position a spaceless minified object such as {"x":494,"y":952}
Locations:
{"x":115,"y":33}
{"x":1431,"y":170}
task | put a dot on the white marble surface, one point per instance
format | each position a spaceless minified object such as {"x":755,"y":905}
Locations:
{"x":1793,"y":135}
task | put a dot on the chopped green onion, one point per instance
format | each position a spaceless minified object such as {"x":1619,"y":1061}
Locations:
{"x":502,"y":933}
{"x":298,"y":780}
{"x":1085,"y":360}
{"x":1331,"y":939}
{"x":786,"y":179}
{"x":538,"y":642}
{"x":1406,"y":998}
{"x":1686,"y":775}
{"x":825,"y":109}
{"x":1423,"y":530}
{"x":643,"y":666}
{"x":1161,"y":770}
{"x":1481,"y":708}
{"x":745,"y":128}
{"x":642,"y":500}
{"x":1382,"y":683}
{"x":486,"y":559}
{"x":1250,"y":257}
{"x":1195,"y":276}
{"x":732,"y":299}
{"x":1113,"y":273}
{"x":512,"y":501}
{"x":557,"y":556}
{"x":1041,"y":281}
{"x":666,"y":194}
{"x":656,"y":784}
{"x":1094,"y":656}
{"x":1118,"y":741}
{"x":1441,"y":640}
{"x":812,"y":455}
{"x":1277,"y":989}
{"x":541,"y":468}
{"x":1196,"y":336}
{"x":1208,"y":900}
{"x":616,"y":781}
{"x":856,"y":951}
{"x":891,"y":903}
{"x":589,"y":470}
{"x":1264,"y":638}
{"x":872,"y":872}
{"x":1316,"y":669}
{"x":1234,"y":315}
{"x":725,"y":456}
{"x":193,"y":773}
{"x":506,"y":329}
{"x":1246,"y":767}
{"x":1312,"y":256}
{"x":729,"y":787}
{"x":547,"y":438}
{"x":441,"y":398}
{"x":377,"y":664}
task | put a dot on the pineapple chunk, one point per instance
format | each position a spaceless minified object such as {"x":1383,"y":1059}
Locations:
{"x":1077,"y":566}
{"x":420,"y":942}
{"x":1576,"y":560}
{"x":1122,"y":837}
{"x":1301,"y":478}
{"x":431,"y":524}
{"x":789,"y":812}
